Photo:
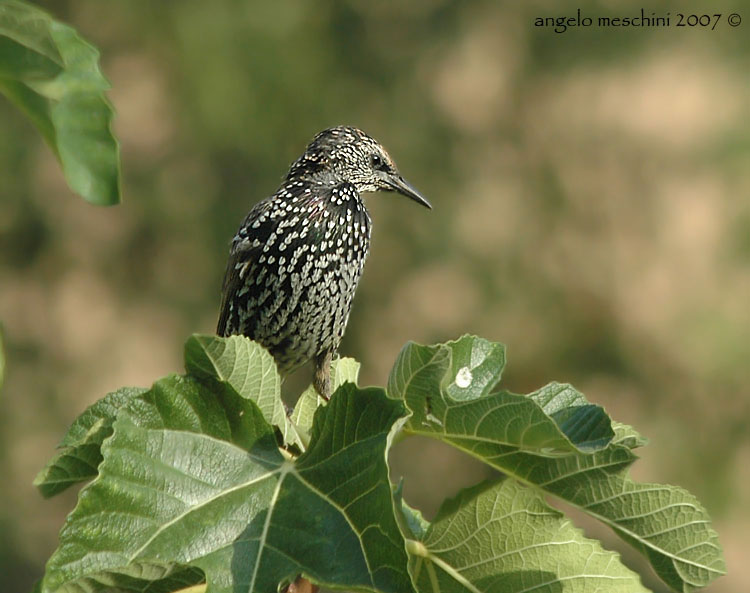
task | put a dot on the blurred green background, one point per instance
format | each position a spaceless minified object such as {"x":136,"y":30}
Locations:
{"x":591,"y":211}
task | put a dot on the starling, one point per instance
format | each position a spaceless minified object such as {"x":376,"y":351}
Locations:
{"x":296,"y":259}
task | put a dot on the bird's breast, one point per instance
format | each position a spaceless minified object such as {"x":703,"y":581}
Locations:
{"x":310,"y":243}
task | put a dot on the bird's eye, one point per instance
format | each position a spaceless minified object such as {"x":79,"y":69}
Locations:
{"x":377,"y":162}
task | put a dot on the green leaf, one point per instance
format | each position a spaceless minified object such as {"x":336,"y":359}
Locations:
{"x":665,"y":523}
{"x":585,"y":424}
{"x":246,"y":366}
{"x":27,"y":44}
{"x":79,"y":451}
{"x":343,"y":370}
{"x":627,"y":436}
{"x":53,"y":76}
{"x":448,"y":390}
{"x":475,"y":368}
{"x":350,"y":437}
{"x":192,"y":479}
{"x":192,"y":486}
{"x":412,"y":522}
{"x":503,"y":537}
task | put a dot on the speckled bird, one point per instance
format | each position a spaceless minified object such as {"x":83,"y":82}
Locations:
{"x":296,"y":260}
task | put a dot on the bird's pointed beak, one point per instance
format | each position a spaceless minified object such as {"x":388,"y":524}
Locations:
{"x":399,"y":184}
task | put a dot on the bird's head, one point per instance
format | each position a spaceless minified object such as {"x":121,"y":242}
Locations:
{"x":347,"y":154}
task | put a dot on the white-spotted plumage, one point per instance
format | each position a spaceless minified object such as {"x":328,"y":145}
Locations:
{"x":296,"y":260}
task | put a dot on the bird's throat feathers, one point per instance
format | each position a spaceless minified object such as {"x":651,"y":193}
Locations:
{"x":322,"y":198}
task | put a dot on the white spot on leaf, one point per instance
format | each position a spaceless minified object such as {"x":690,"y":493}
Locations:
{"x":463,"y":377}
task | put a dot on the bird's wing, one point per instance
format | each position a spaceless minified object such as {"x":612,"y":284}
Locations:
{"x":233,"y":281}
{"x":246,"y":248}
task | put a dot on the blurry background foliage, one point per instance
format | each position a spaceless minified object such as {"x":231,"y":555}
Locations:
{"x":591,"y":212}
